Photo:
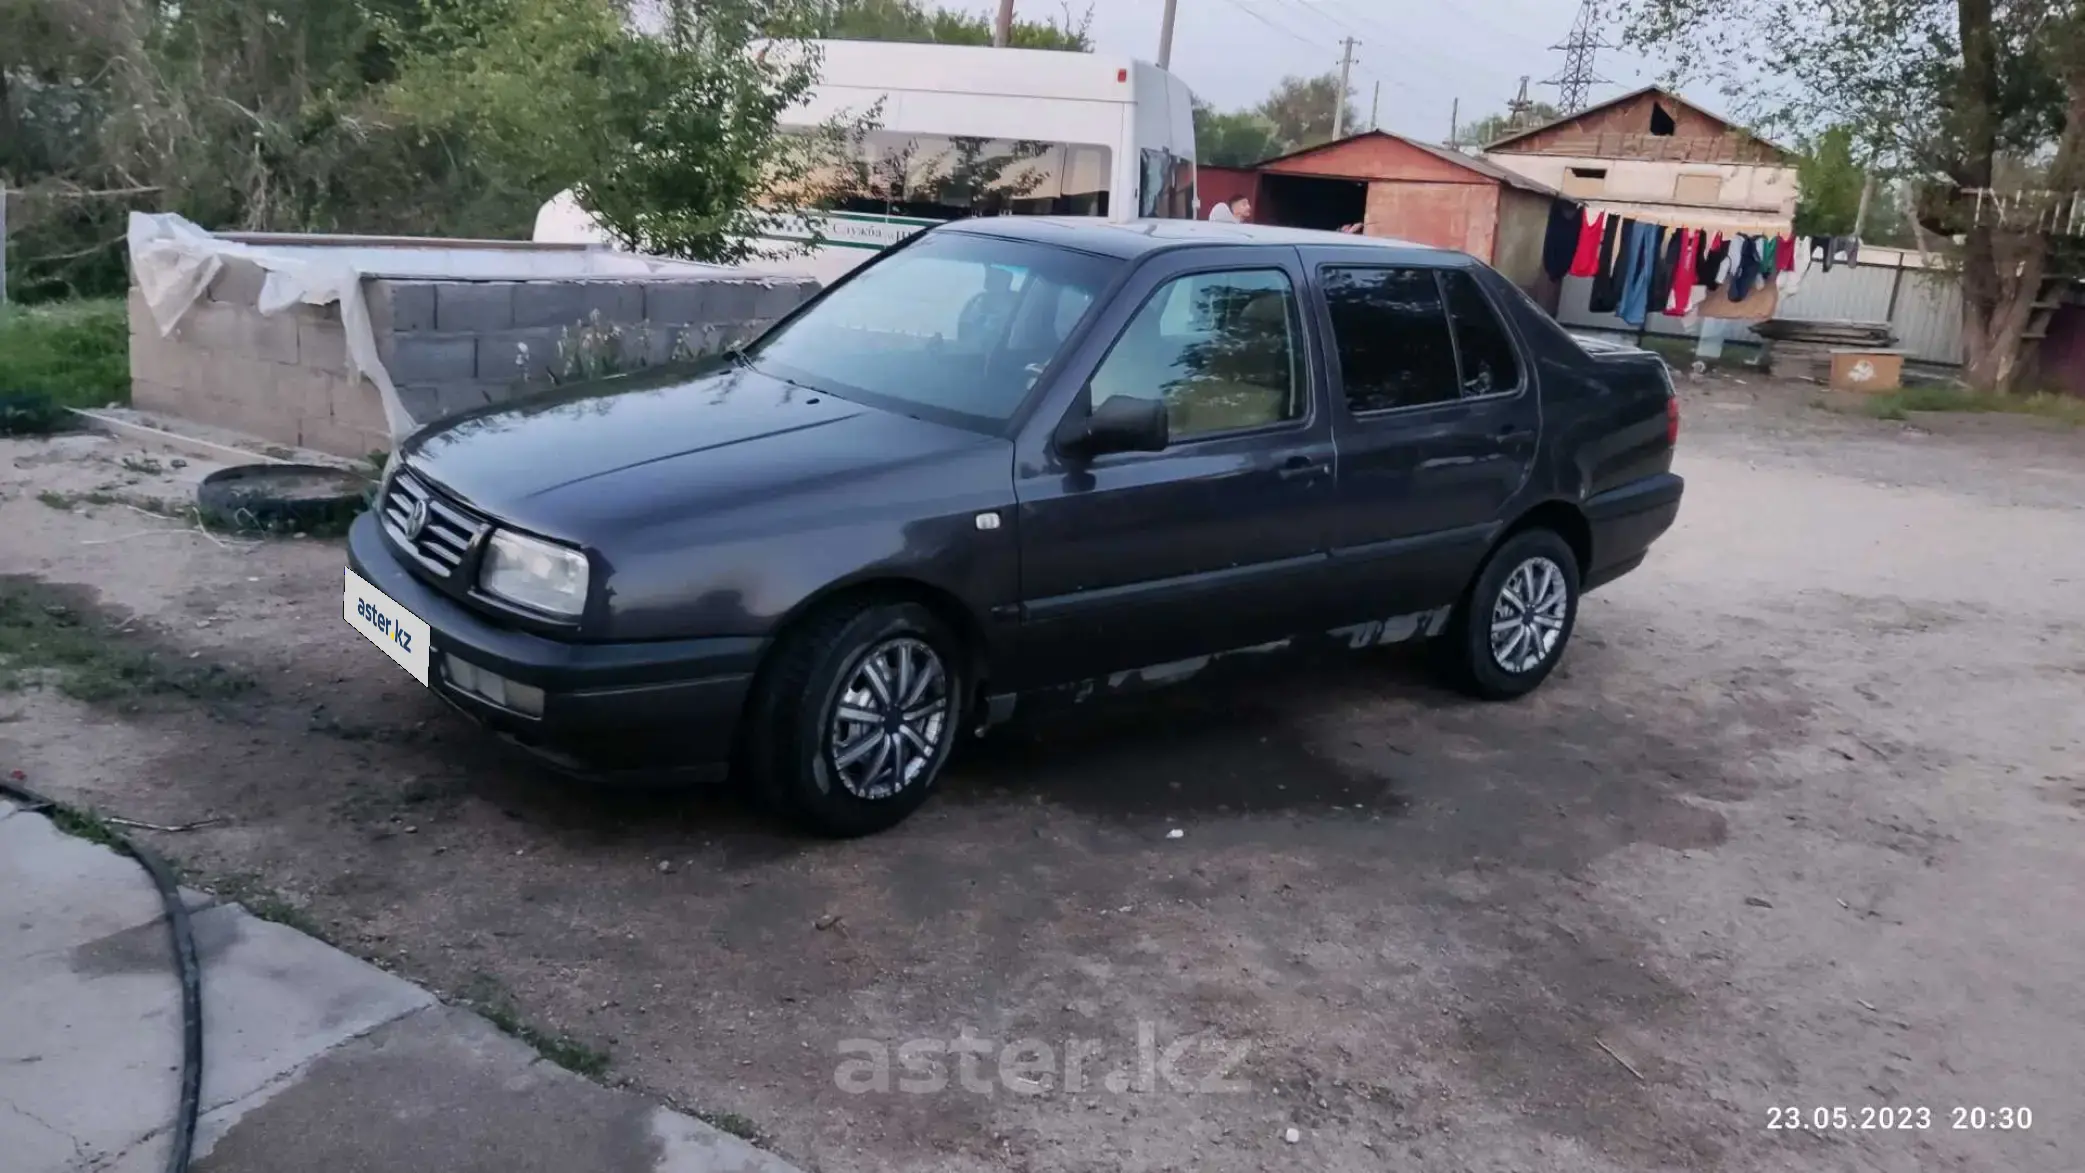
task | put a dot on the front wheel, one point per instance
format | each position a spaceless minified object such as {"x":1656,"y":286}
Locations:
{"x":857,"y":717}
{"x":1510,"y":630}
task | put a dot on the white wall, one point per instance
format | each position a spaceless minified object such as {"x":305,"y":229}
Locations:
{"x":1752,"y":195}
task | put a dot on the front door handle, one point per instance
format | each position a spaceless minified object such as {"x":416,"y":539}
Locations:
{"x":1298,"y":468}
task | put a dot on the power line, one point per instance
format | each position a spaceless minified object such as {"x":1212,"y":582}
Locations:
{"x":1431,"y":62}
{"x":1240,"y":6}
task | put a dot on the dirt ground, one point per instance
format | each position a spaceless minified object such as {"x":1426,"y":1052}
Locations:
{"x":1797,"y":826}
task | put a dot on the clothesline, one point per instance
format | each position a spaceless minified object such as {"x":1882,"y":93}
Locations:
{"x":1644,"y":265}
{"x":1727,"y":227}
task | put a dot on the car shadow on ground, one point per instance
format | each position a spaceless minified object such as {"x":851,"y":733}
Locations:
{"x":1230,"y":742}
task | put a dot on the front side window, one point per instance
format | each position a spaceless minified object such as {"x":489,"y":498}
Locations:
{"x":1391,"y":329}
{"x":1489,"y":364}
{"x":1223,"y":351}
{"x":956,"y":324}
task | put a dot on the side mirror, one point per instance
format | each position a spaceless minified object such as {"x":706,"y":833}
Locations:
{"x":1124,"y":423}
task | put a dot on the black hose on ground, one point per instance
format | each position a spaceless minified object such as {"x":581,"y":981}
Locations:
{"x":188,"y":967}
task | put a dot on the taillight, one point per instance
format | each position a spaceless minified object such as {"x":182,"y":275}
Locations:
{"x":1672,"y":417}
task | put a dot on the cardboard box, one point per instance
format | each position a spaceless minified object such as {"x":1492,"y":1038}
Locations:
{"x":1867,"y":370}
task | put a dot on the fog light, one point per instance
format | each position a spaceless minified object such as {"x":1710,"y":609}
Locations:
{"x":492,"y":687}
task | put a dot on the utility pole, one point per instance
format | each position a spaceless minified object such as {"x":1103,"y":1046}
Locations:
{"x":3,"y":246}
{"x":1165,"y":36}
{"x":1455,"y":123}
{"x":1339,"y":110}
{"x":1003,"y":28}
{"x":1375,"y":107}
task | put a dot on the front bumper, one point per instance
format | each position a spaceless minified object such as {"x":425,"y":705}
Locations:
{"x":609,"y":709}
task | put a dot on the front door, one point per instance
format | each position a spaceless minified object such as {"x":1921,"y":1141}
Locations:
{"x":1136,"y":560}
{"x":1437,"y":422}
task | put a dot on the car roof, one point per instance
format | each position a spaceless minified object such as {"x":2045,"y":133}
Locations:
{"x":1134,"y":238}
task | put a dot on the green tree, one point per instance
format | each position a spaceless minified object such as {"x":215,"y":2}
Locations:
{"x":913,"y":20}
{"x":1831,"y":182}
{"x":1493,"y":127}
{"x":1302,"y":110}
{"x":670,"y":135}
{"x":1976,"y":94}
{"x":1237,"y":138}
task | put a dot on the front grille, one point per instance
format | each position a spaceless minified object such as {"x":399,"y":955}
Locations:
{"x":443,"y":540}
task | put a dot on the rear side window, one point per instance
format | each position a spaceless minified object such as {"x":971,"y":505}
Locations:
{"x":1489,"y":364}
{"x":1391,"y":328}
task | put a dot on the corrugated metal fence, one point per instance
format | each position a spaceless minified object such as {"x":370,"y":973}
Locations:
{"x":1922,"y":306}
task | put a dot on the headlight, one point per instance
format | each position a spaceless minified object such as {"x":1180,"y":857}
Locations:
{"x":534,"y":574}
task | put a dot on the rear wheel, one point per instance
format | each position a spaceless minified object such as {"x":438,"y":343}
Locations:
{"x":856,"y":717}
{"x":1511,"y":629}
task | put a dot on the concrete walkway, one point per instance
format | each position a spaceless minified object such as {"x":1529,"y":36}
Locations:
{"x":314,"y":1060}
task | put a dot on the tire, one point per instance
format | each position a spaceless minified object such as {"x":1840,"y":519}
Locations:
{"x":814,"y":756}
{"x":1536,"y":561}
{"x":283,"y":498}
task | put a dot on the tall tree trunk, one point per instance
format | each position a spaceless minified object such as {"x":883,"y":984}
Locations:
{"x":2001,"y":278}
{"x":2002,"y":271}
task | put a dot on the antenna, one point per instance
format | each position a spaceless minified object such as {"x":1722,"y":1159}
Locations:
{"x":1577,"y":80}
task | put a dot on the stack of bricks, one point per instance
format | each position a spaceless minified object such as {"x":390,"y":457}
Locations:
{"x":448,"y":345}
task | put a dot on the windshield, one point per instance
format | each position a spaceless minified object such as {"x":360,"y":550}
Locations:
{"x":956,"y":325}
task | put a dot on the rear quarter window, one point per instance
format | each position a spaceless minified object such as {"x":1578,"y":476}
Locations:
{"x":1490,"y":364}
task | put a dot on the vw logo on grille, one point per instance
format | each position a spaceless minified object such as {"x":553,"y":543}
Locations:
{"x":415,"y":519}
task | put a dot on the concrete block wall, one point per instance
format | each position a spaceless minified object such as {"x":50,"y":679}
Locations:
{"x":448,"y":345}
{"x":454,"y":345}
{"x":280,"y":377}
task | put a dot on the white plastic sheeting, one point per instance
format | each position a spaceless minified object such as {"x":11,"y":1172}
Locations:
{"x":174,"y":261}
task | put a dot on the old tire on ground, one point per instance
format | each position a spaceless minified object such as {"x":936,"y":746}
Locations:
{"x":855,"y":717}
{"x":283,"y":498}
{"x":1512,"y":626}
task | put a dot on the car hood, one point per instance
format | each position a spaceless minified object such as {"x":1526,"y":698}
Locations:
{"x":623,"y":452}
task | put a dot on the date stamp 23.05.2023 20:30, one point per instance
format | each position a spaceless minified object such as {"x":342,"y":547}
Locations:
{"x":1890,"y":1118}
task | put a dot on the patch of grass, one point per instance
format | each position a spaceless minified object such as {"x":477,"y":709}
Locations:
{"x":484,"y":994}
{"x":71,"y":501}
{"x":50,"y":636}
{"x":261,"y":899}
{"x":84,"y":824}
{"x":734,"y":1124}
{"x":1897,"y":405}
{"x":73,"y":354}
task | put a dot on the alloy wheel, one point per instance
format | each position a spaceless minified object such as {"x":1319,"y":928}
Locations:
{"x":1527,"y":620}
{"x":890,"y":720}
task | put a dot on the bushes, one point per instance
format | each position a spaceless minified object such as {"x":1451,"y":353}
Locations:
{"x":73,"y":354}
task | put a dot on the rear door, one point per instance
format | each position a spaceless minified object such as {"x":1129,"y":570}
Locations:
{"x":1137,"y":559}
{"x":1437,"y":425}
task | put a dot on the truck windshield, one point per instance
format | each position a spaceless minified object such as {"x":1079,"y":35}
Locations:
{"x":955,"y":326}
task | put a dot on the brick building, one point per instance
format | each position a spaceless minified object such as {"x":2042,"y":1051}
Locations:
{"x":1401,"y":187}
{"x":1654,"y":155}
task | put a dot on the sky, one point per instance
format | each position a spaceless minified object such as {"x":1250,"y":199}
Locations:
{"x":1426,"y":53}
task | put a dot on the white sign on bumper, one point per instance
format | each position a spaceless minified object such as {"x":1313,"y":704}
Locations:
{"x":403,"y":635}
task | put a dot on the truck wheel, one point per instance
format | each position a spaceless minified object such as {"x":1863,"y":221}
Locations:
{"x":856,"y":717}
{"x":1510,"y":630}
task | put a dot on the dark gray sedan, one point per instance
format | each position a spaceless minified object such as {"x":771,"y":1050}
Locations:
{"x":1016,"y":459}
